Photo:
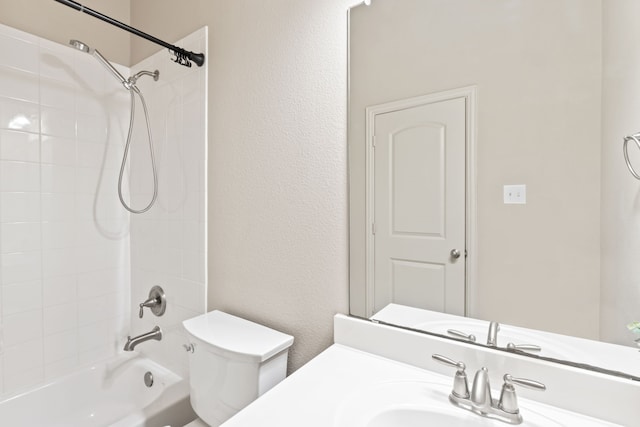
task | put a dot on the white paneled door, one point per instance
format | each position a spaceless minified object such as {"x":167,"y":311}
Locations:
{"x":419,"y":198}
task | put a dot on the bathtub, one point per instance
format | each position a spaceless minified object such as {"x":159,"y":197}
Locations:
{"x":112,"y":393}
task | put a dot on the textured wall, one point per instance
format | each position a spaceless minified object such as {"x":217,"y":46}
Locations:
{"x":277,"y":158}
{"x":59,"y":23}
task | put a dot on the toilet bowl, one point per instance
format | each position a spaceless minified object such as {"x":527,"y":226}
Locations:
{"x":232,"y":361}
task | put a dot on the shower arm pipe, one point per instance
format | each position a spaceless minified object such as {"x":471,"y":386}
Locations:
{"x":198,"y":58}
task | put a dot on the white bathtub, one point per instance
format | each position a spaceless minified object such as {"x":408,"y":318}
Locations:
{"x":110,"y":394}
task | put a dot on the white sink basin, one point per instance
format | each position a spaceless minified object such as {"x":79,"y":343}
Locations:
{"x":416,"y":417}
{"x":421,"y":403}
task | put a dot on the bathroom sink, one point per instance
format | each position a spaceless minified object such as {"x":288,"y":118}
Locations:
{"x":421,"y":403}
{"x":417,"y":417}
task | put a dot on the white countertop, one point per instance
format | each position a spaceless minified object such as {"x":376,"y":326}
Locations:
{"x":319,"y":394}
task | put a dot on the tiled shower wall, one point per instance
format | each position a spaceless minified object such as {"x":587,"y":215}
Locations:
{"x":74,"y":264}
{"x":168,"y":243}
{"x":64,"y":240}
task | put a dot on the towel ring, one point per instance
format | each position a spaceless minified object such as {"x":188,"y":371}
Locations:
{"x":633,"y":138}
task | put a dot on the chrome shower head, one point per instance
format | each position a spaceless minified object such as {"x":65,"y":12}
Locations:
{"x":96,"y":54}
{"x":80,"y":46}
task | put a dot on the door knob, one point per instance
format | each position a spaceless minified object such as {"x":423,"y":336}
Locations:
{"x":455,"y":254}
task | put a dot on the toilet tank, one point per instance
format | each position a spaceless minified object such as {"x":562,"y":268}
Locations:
{"x":232,"y":363}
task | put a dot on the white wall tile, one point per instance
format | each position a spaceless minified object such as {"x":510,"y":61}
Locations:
{"x":94,"y":310}
{"x":19,"y":54}
{"x":60,"y":318}
{"x":58,"y":151}
{"x":59,"y":235}
{"x":19,"y":115}
{"x":54,"y":93}
{"x":60,"y":367}
{"x":18,"y":84}
{"x":59,"y":290}
{"x":58,"y":179}
{"x":60,"y":346}
{"x":22,"y":327}
{"x":58,"y":122}
{"x":20,"y":237}
{"x":20,"y":267}
{"x":98,"y":283}
{"x":59,"y":262}
{"x":56,"y":62}
{"x":19,"y":176}
{"x":58,"y":206}
{"x":21,"y":297}
{"x":23,"y":365}
{"x":94,"y":128}
{"x":94,"y":336}
{"x":19,"y":146}
{"x":19,"y":207}
{"x":62,"y":298}
{"x":89,"y":74}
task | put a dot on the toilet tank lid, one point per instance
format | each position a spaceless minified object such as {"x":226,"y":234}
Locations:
{"x":237,"y":335}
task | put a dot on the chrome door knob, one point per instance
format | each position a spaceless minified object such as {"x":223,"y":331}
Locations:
{"x":455,"y":254}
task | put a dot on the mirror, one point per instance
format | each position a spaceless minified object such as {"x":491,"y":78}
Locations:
{"x":547,"y":91}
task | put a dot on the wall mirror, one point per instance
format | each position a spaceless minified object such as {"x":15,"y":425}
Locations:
{"x":487,"y":177}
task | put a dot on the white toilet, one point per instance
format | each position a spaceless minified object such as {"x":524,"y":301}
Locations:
{"x":232,"y":361}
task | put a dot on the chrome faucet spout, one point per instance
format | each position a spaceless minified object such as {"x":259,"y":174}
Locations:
{"x":492,"y":336}
{"x":481,"y":391}
{"x":155,"y":334}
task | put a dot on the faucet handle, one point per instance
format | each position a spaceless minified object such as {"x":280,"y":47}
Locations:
{"x":157,"y":302}
{"x":508,"y":399}
{"x":460,"y":384}
{"x":459,"y":334}
{"x":523,"y":347}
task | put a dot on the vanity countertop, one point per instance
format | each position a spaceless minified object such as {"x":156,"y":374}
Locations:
{"x":323,"y":393}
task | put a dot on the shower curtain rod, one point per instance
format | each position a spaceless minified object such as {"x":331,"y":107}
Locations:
{"x":183,"y":57}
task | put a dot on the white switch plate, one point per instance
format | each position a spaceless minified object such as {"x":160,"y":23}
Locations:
{"x":515,"y":194}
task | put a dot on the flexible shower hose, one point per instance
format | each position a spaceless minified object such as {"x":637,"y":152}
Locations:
{"x":133,"y":90}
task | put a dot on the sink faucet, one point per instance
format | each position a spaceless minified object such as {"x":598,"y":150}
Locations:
{"x":492,"y":337}
{"x":480,"y":397}
{"x":479,"y":401}
{"x":155,"y":334}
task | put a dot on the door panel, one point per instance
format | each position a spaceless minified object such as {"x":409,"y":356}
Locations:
{"x":419,"y":206}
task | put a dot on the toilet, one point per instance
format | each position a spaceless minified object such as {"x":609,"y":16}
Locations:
{"x":232,"y":361}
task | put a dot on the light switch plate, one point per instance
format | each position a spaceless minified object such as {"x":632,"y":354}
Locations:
{"x":515,"y":194}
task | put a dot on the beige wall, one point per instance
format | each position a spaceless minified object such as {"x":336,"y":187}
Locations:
{"x":277,"y":158}
{"x":537,"y":66}
{"x":57,"y":22}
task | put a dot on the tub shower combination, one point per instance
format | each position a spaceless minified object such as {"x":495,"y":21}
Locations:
{"x":113,"y":393}
{"x":128,"y":389}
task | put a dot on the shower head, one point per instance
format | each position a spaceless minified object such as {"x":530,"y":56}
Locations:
{"x":80,"y":46}
{"x":96,"y":54}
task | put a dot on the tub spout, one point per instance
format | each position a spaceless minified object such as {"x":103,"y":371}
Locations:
{"x":155,"y":334}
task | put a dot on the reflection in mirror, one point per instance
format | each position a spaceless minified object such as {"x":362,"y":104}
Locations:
{"x":498,"y":124}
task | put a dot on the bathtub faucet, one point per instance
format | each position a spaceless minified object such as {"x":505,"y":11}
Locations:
{"x":155,"y":334}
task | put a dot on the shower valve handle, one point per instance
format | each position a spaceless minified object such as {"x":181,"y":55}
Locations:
{"x":157,"y":302}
